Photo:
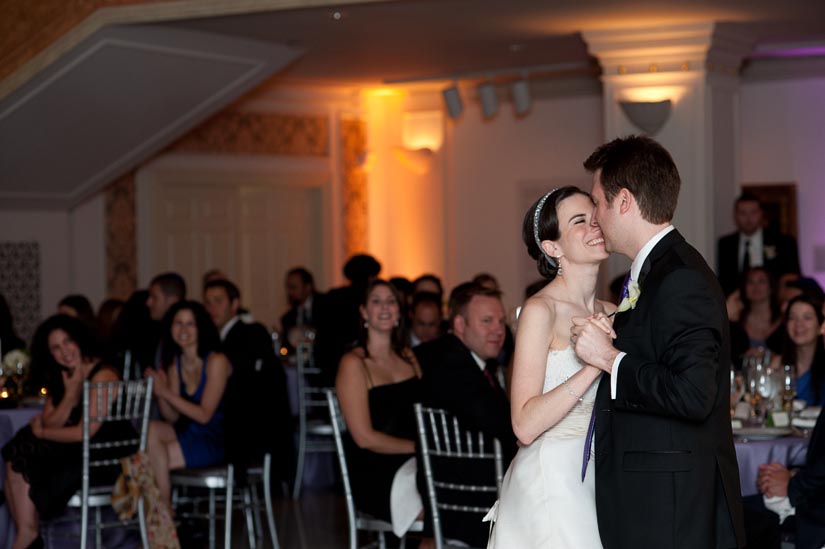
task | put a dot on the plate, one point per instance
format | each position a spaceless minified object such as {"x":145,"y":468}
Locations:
{"x":762,"y":433}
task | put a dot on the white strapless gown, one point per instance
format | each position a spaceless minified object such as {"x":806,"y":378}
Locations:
{"x":544,"y":503}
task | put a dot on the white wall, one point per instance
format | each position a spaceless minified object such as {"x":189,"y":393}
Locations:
{"x":72,"y":250}
{"x":497,"y":168}
{"x":783,"y":141}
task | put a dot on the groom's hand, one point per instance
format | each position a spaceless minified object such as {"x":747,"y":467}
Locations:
{"x":592,"y":340}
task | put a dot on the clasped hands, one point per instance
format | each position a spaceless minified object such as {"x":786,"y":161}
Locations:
{"x":772,"y":479}
{"x":592,"y":340}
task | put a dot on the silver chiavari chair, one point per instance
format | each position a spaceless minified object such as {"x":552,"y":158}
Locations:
{"x":442,"y":439}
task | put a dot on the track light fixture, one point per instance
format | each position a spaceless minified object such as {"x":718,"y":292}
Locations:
{"x":489,"y":99}
{"x":520,"y":92}
{"x":452,"y":100}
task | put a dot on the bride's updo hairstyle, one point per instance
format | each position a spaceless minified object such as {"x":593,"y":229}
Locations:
{"x":541,"y":222}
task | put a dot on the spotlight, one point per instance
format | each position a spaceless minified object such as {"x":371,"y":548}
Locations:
{"x":452,"y":99}
{"x":489,"y":100}
{"x":520,"y":92}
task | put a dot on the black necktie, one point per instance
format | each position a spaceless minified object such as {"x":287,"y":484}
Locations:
{"x":746,"y":259}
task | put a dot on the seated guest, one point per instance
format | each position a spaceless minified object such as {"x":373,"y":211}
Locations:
{"x":135,"y":332}
{"x":165,"y":290}
{"x":44,"y":459}
{"x":306,"y":306}
{"x":377,"y":385}
{"x":429,"y":283}
{"x":460,"y":374}
{"x":405,"y":288}
{"x":78,"y":306}
{"x":804,"y":349}
{"x":794,"y":498}
{"x":257,"y":391}
{"x":426,"y":319}
{"x":339,"y":330}
{"x":761,"y":317}
{"x":189,"y":392}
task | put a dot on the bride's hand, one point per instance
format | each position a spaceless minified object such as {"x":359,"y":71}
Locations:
{"x":604,"y":322}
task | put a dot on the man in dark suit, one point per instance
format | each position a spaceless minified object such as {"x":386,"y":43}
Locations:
{"x":306,"y":306}
{"x":666,"y":470}
{"x":753,"y":246}
{"x":258,"y":416}
{"x":802,"y":492}
{"x":460,"y":374}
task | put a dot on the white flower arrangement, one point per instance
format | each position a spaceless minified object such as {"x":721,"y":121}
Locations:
{"x":15,"y":358}
{"x":633,"y":293}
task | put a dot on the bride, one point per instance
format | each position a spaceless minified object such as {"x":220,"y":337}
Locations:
{"x":544,"y":502}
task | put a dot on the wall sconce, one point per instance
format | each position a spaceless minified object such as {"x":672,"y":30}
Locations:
{"x":648,"y":116}
{"x":520,"y":91}
{"x":489,"y":99}
{"x":452,"y":99}
{"x":418,"y":161}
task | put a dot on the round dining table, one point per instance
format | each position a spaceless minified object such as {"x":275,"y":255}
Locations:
{"x":790,"y":451}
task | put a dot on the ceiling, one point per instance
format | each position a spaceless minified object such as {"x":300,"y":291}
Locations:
{"x":122,"y":92}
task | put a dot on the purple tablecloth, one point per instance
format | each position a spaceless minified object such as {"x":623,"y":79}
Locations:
{"x":789,"y":451}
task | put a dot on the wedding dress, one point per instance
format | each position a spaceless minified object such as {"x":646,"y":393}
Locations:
{"x":544,"y":503}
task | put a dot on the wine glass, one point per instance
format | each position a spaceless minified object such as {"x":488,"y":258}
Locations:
{"x":737,"y":388}
{"x":788,"y":386}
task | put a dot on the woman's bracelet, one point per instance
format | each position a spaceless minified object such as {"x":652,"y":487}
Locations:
{"x":572,"y":393}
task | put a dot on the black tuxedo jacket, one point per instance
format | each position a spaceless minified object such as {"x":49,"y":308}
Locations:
{"x":779,"y":256}
{"x":806,"y":491}
{"x":666,"y":470}
{"x":258,"y":415}
{"x":451,"y":379}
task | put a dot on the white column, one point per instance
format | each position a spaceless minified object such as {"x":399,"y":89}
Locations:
{"x":696,"y":67}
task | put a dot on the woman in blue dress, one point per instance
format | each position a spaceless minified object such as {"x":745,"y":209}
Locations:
{"x":804,"y":349}
{"x":189,"y":394}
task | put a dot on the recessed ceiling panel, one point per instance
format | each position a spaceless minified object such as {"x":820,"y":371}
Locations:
{"x":122,"y":95}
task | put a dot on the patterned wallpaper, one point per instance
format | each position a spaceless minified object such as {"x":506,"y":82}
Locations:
{"x":121,"y":241}
{"x":20,"y":284}
{"x":231,"y":132}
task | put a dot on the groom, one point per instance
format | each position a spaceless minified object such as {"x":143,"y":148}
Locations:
{"x":666,"y":471}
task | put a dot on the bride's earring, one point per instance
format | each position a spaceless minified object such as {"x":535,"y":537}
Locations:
{"x":558,"y":262}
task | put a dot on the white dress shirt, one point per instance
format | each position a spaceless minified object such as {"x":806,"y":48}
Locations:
{"x":635,"y":269}
{"x":757,"y":250}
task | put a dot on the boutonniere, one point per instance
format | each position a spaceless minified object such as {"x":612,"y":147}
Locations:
{"x":770,"y":252}
{"x":633,"y":293}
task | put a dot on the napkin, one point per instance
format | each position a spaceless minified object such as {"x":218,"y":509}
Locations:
{"x":811,"y":412}
{"x":803,"y":422}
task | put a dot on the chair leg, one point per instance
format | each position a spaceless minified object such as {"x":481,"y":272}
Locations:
{"x":144,"y":536}
{"x":256,"y":511}
{"x":382,"y":540}
{"x":299,"y":468}
{"x":270,"y":513}
{"x":98,"y":529}
{"x":247,"y":511}
{"x":227,"y":534}
{"x":212,"y":510}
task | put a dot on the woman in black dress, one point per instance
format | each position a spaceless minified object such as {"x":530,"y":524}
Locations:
{"x":44,"y":459}
{"x":378,"y":382}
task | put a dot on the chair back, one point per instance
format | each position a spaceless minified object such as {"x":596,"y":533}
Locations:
{"x":311,"y":392}
{"x":127,"y":402}
{"x":443,"y":440}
